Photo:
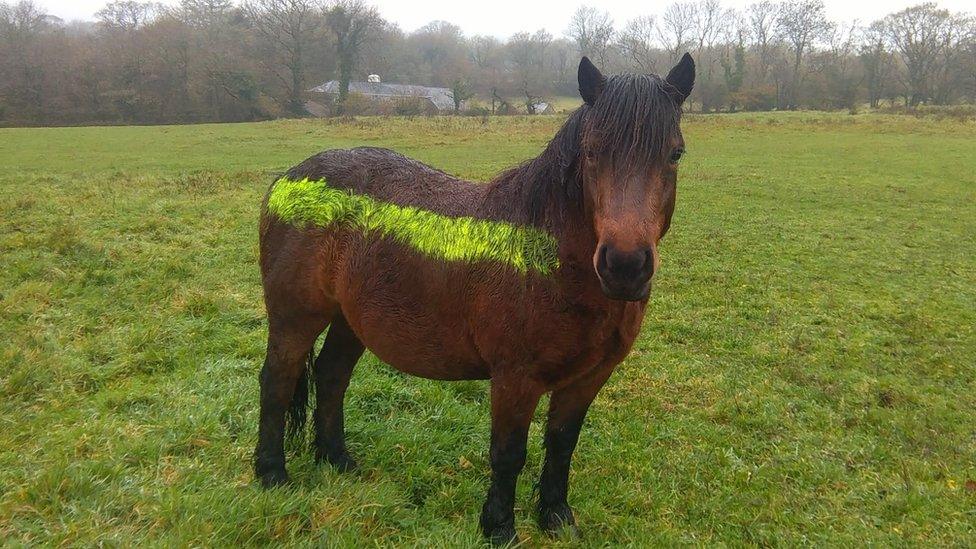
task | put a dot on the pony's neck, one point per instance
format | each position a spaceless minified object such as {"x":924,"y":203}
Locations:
{"x":546,"y":191}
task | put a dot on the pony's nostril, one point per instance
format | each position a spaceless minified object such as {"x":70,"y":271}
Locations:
{"x":623,"y":265}
{"x":614,"y":266}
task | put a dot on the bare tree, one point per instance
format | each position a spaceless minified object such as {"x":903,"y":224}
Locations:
{"x":484,"y":51}
{"x":354,"y":25}
{"x":762,"y":25}
{"x":876,"y":61}
{"x":707,"y":18}
{"x":127,"y":15}
{"x":206,"y":13}
{"x":958,"y":31}
{"x":709,"y":23}
{"x":22,"y":73}
{"x":801,"y":23}
{"x":675,"y":29}
{"x":288,"y":27}
{"x":439,"y":52}
{"x":917,"y":33}
{"x":968,"y":64}
{"x":840,"y":69}
{"x":636,"y":42}
{"x":206,"y":55}
{"x":521,"y":54}
{"x":592,"y":30}
{"x":734,"y":66}
{"x":563,"y":61}
{"x":23,"y":19}
{"x":525,"y":53}
{"x":487,"y":55}
{"x":542,"y":40}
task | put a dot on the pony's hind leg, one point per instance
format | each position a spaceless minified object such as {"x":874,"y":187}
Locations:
{"x":333,"y":368}
{"x":289,"y":342}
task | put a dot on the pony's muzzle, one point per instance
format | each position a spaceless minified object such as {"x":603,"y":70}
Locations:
{"x":625,"y":275}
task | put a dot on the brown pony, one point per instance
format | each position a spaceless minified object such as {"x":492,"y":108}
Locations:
{"x":602,"y":193}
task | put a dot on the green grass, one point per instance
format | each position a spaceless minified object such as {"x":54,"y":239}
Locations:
{"x":805,"y":375}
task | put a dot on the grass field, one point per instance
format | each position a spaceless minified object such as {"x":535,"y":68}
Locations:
{"x":806,"y":374}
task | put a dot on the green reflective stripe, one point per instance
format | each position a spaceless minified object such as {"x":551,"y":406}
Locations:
{"x":307,"y":202}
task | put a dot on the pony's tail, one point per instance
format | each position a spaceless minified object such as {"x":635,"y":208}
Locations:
{"x":298,"y":411}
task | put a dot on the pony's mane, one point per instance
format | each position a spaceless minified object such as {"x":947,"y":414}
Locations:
{"x":547,"y":187}
{"x":631,"y":123}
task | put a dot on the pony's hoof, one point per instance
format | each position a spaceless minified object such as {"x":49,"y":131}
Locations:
{"x":502,"y":536}
{"x":344,"y":463}
{"x":558,"y":521}
{"x":273,"y":478}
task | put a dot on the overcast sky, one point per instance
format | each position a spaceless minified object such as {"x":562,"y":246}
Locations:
{"x":501,"y":18}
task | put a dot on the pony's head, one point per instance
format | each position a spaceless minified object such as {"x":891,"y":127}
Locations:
{"x":629,"y":151}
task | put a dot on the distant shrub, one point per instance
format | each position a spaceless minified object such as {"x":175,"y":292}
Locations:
{"x":477,"y":111}
{"x":761,"y":98}
{"x":356,"y":104}
{"x":959,"y":113}
{"x":506,"y":109}
{"x":480,"y":111}
{"x":265,"y":108}
{"x":411,"y":106}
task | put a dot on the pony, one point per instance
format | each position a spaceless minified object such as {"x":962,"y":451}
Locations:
{"x":537,"y":280}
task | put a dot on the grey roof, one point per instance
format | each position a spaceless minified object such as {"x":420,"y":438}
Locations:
{"x":440,"y":97}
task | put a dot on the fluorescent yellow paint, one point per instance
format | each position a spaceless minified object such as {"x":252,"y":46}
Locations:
{"x":315,"y":203}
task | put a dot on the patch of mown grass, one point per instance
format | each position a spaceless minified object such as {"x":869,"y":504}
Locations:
{"x":805,"y":374}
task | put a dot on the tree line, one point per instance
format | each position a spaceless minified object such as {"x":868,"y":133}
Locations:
{"x":216,"y":60}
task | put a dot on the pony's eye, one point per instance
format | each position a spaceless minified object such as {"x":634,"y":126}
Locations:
{"x":676,"y":155}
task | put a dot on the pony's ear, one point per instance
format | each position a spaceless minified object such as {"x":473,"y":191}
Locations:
{"x":591,"y":81}
{"x":682,"y":79}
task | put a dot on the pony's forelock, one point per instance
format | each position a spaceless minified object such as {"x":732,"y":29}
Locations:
{"x":632,"y":121}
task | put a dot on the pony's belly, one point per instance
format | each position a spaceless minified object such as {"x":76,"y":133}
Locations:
{"x":427,"y":365}
{"x":413,"y":339}
{"x":409,"y":311}
{"x":453,"y":321}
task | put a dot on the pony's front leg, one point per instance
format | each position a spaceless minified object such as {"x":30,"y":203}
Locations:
{"x":567,"y":410}
{"x":513,"y":401}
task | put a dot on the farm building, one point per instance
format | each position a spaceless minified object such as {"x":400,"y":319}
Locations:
{"x":435,"y":99}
